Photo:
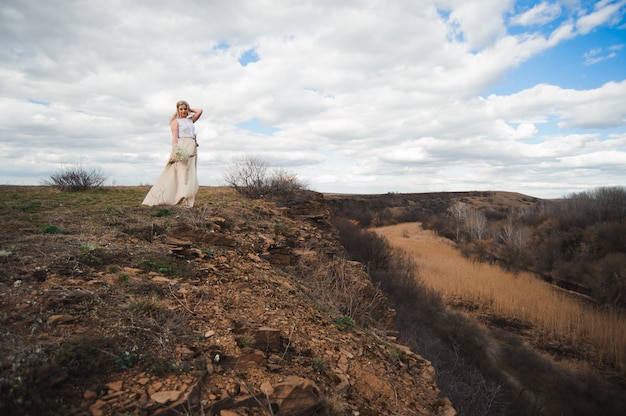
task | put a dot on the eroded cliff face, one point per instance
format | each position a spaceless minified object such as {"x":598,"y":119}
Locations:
{"x":233,"y":307}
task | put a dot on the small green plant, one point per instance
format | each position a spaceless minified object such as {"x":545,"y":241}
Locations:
{"x":344,"y":322}
{"x":113,"y":268}
{"x":124,"y":278}
{"x":89,"y":248}
{"x":153,"y":266}
{"x":163,"y":212}
{"x":396,"y":355}
{"x":207,"y":251}
{"x":318,"y":364}
{"x":51,"y":229}
{"x":124,"y":360}
{"x":280,"y":229}
{"x":245,"y":341}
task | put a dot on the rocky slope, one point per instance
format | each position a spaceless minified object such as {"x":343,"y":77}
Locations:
{"x":233,"y":307}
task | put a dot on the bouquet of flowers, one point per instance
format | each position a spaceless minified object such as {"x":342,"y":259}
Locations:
{"x":181,"y":155}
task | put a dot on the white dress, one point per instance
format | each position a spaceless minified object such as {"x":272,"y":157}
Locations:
{"x":178,"y":183}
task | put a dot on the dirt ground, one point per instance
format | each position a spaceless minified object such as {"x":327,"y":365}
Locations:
{"x":109,"y":308}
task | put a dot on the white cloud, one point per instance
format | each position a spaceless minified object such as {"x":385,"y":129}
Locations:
{"x":605,"y":11}
{"x":478,"y":23}
{"x":362,"y":96}
{"x":539,"y":14}
{"x":597,"y":55}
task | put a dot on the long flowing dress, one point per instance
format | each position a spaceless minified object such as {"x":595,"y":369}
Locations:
{"x":178,"y":183}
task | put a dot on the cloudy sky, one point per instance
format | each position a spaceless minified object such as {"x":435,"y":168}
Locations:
{"x":358,"y":96}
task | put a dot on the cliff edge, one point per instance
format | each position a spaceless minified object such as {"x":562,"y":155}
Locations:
{"x":233,"y":307}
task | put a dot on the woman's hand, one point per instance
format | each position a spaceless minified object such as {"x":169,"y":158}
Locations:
{"x":197,"y":112}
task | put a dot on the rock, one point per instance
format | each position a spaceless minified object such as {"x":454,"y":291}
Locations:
{"x":296,"y":396}
{"x":254,"y":257}
{"x":186,"y":252}
{"x":89,"y":395}
{"x":348,"y":354}
{"x":177,"y":241}
{"x":280,"y":256}
{"x":184,"y":350}
{"x":268,"y":339}
{"x":188,"y":404}
{"x":132,"y":270}
{"x":162,"y":279}
{"x":61,"y":320}
{"x":164,"y":397}
{"x":233,"y":388}
{"x":266,"y":388}
{"x":115,"y":386}
{"x":344,"y":383}
{"x":197,"y":236}
{"x":113,"y":395}
{"x":248,"y":360}
{"x":447,"y":409}
{"x":275,"y":359}
{"x":96,"y":408}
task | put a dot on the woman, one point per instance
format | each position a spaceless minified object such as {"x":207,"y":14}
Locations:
{"x":178,"y":184}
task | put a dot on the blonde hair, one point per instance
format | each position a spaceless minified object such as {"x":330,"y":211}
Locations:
{"x":178,"y":104}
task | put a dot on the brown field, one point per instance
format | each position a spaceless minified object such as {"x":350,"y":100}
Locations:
{"x":552,"y":320}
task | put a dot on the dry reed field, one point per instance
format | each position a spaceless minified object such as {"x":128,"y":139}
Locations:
{"x":599,"y":335}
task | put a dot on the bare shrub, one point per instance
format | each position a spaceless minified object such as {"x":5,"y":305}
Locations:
{"x":282,"y":181}
{"x":250,"y":176}
{"x":343,"y":286}
{"x":247,"y":175}
{"x":76,"y":178}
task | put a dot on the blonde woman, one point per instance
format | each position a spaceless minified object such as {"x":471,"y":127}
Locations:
{"x":178,"y":184}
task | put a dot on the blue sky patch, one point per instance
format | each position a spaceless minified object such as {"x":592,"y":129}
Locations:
{"x":39,"y":102}
{"x":256,"y":126}
{"x":248,"y":57}
{"x":221,"y":46}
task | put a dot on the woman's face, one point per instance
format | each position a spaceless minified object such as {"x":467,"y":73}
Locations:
{"x":183,"y":111}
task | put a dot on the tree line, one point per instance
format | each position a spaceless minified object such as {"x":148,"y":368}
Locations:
{"x":577,"y":242}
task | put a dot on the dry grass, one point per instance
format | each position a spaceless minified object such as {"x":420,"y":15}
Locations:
{"x":598,"y":334}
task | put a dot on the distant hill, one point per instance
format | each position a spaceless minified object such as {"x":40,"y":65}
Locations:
{"x":407,"y":207}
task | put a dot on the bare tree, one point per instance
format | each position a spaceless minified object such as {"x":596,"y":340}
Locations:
{"x":514,"y":239}
{"x":458,"y":212}
{"x":476,"y":223}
